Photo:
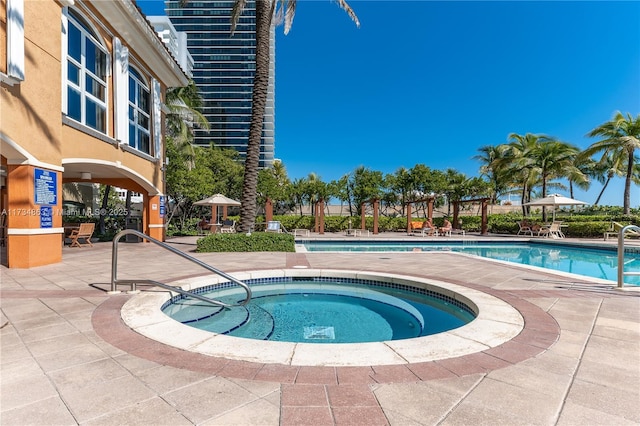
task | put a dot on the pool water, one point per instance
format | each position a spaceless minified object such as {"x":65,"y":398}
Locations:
{"x":334,"y":312}
{"x":596,"y":263}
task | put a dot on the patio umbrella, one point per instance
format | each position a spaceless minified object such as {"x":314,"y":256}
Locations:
{"x":555,"y":200}
{"x":217,"y":200}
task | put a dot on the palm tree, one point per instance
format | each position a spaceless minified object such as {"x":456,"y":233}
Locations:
{"x":519,"y":164}
{"x":494,"y":168}
{"x":551,"y":159}
{"x":266,"y":11}
{"x":184,"y":104}
{"x":620,"y":138}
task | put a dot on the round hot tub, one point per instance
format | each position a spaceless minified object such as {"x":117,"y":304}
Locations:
{"x":322,"y":310}
{"x":326,"y":317}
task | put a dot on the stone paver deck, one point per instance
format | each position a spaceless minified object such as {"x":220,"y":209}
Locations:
{"x":67,"y":357}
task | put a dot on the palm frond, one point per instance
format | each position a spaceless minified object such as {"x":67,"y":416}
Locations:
{"x":345,"y":6}
{"x":289,"y":7}
{"x":238,"y":8}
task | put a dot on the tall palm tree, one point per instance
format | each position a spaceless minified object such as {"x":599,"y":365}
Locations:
{"x":620,"y":137}
{"x":266,"y":12}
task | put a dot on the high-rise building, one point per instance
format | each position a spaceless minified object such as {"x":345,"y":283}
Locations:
{"x":224,"y":67}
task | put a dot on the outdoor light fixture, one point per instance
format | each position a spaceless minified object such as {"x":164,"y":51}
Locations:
{"x":85,"y":176}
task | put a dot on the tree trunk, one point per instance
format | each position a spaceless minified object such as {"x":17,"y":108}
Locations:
{"x":258,"y":105}
{"x":602,"y":191}
{"x":103,"y":208}
{"x":626,"y":206}
{"x":544,"y":194}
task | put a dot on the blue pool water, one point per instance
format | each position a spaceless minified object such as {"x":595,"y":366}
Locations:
{"x":596,"y":263}
{"x":340,"y":311}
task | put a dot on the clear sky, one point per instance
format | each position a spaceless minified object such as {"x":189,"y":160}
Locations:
{"x":431,"y":82}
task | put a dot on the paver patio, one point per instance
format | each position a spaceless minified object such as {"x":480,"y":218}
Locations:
{"x":67,"y":357}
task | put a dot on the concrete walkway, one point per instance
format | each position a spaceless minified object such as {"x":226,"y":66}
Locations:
{"x":67,"y":358}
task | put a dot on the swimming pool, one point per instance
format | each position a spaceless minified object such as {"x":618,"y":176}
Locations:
{"x":591,"y":262}
{"x":323,"y":310}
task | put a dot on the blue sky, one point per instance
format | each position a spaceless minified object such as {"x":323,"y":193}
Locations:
{"x":431,"y":82}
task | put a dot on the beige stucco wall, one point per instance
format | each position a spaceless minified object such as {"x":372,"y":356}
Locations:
{"x":30,"y":110}
{"x":3,"y":36}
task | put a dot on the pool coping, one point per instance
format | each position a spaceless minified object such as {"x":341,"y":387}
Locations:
{"x":497,"y":323}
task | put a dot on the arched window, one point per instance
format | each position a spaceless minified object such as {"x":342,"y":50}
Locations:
{"x":139,"y":112}
{"x":86,"y":75}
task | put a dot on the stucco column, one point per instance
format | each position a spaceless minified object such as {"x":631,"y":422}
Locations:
{"x":409,"y":218}
{"x":34,"y":216}
{"x":154,"y":217}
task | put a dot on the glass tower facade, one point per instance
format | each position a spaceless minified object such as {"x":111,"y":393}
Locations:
{"x":224,"y":67}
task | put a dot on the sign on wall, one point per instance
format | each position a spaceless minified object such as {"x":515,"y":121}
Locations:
{"x":46,"y":187}
{"x":46,"y":217}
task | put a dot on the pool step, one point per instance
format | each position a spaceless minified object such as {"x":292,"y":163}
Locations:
{"x":260,"y":325}
{"x":191,"y":310}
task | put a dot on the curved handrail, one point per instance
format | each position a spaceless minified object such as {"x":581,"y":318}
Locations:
{"x":621,"y":235}
{"x":114,"y":270}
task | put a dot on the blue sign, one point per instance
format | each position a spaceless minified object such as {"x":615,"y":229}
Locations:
{"x":162,"y":206}
{"x":46,"y":217}
{"x":46,"y":187}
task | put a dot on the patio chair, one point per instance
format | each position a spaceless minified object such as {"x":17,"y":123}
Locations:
{"x":273,"y":226}
{"x":228,"y":226}
{"x":524,"y":227}
{"x":84,"y":232}
{"x":551,"y":231}
{"x":203,"y":227}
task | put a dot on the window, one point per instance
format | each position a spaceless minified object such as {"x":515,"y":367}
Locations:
{"x":86,"y":75}
{"x":139,"y":112}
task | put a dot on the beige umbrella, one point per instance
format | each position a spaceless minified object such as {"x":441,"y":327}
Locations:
{"x":555,"y":200}
{"x":217,"y":200}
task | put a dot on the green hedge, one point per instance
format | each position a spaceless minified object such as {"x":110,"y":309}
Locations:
{"x":257,"y":241}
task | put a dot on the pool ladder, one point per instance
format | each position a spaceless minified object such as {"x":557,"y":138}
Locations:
{"x":133,"y":282}
{"x":621,"y":272}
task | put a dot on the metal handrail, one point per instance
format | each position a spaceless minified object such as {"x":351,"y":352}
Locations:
{"x":621,"y":272}
{"x":115,"y":281}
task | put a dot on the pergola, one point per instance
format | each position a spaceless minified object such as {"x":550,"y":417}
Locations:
{"x":430,"y":201}
{"x":375,"y":202}
{"x":484,"y":202}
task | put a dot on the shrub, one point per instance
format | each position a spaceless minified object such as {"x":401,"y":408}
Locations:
{"x":257,"y":241}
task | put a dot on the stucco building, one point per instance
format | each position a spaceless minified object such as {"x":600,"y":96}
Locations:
{"x":81,"y":99}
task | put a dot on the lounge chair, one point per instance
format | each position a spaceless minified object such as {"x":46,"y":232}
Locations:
{"x":427,"y":229}
{"x":614,"y":231}
{"x":228,"y":226}
{"x":446,"y":228}
{"x":273,"y":226}
{"x":84,"y":232}
{"x":524,"y":227}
